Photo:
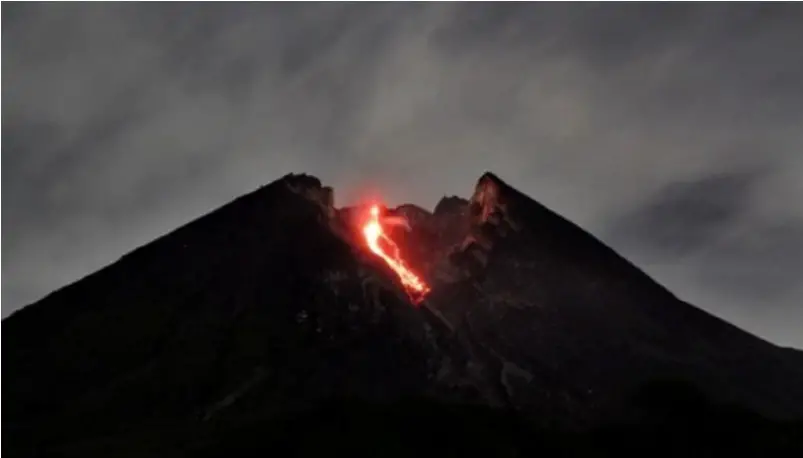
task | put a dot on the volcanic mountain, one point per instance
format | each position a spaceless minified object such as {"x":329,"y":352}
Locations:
{"x":271,"y":321}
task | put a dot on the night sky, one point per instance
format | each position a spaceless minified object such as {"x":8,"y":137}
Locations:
{"x":672,"y":132}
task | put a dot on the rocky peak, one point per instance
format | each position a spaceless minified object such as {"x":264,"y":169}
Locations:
{"x":450,"y":205}
{"x":311,"y":188}
{"x":486,"y":198}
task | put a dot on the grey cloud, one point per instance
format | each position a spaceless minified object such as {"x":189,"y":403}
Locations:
{"x":775,"y":252}
{"x":123,"y":121}
{"x":687,"y":216}
{"x":705,"y":239}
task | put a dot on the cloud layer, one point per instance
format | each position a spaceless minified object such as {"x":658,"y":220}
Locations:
{"x":670,"y":131}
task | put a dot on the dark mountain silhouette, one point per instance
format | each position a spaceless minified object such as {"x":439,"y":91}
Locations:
{"x":267,"y":325}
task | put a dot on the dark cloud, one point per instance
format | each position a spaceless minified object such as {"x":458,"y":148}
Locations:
{"x":687,"y":216}
{"x":677,"y":125}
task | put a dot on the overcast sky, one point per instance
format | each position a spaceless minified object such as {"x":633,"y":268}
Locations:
{"x":672,"y":132}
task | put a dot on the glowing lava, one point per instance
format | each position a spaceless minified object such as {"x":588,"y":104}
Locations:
{"x":374,"y":234}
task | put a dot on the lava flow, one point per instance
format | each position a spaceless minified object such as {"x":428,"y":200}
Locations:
{"x":374,"y":233}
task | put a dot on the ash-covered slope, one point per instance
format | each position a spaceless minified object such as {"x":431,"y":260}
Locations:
{"x":258,"y":307}
{"x":556,"y":308}
{"x":271,"y":305}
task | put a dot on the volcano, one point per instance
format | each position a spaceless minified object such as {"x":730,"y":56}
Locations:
{"x":277,"y":324}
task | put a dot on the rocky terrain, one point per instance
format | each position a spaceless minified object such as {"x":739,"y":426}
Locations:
{"x":267,"y":323}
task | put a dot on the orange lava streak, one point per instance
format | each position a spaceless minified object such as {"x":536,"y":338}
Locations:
{"x":373,"y":232}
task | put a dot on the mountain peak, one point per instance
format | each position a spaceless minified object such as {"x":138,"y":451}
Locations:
{"x":489,"y":176}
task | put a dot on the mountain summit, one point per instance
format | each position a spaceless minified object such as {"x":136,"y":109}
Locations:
{"x":275,"y":305}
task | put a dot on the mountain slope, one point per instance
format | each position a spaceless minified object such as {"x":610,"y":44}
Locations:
{"x":259,"y":293}
{"x":272,"y":304}
{"x":562,"y":305}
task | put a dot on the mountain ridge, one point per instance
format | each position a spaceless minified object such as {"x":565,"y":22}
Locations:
{"x":271,"y":304}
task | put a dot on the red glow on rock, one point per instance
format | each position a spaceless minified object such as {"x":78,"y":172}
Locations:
{"x":384,"y":247}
